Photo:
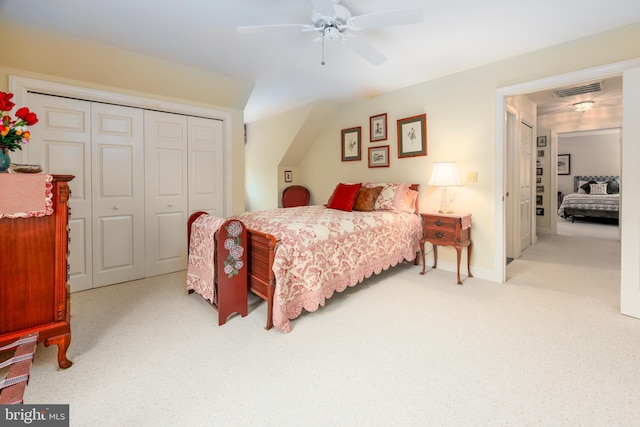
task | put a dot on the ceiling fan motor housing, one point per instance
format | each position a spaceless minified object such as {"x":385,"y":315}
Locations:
{"x":331,"y":26}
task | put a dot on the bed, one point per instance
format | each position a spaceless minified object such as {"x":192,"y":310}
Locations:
{"x":298,"y":257}
{"x":593,"y":196}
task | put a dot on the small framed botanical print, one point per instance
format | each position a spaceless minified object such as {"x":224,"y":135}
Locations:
{"x":378,"y":128}
{"x":288,"y":177}
{"x":351,"y":144}
{"x":379,"y":157}
{"x":412,"y":136}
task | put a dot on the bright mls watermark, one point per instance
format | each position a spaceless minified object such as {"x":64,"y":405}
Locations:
{"x":34,"y":415}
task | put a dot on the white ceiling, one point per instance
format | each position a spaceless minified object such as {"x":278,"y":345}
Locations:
{"x":455,"y":35}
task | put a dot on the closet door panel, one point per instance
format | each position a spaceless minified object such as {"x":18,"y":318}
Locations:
{"x":62,"y":145}
{"x":206,"y":166}
{"x":118,"y":194}
{"x":165,"y":192}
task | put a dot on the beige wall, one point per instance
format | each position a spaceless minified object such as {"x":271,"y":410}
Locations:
{"x":460,"y":127}
{"x":460,"y":116}
{"x":49,"y":57}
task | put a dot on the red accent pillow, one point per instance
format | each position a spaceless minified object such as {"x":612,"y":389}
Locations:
{"x":344,"y":196}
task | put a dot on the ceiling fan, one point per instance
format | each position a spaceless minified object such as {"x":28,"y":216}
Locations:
{"x":335,"y":23}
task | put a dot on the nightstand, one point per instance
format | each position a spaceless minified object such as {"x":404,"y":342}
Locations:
{"x":446,"y":230}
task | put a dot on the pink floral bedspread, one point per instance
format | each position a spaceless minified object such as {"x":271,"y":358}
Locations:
{"x":323,"y":250}
{"x":201,"y":267}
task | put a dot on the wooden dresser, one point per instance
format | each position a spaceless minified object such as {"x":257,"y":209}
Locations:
{"x":446,"y":230}
{"x":34,"y":293}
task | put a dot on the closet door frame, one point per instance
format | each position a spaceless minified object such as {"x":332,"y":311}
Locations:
{"x":20,"y":86}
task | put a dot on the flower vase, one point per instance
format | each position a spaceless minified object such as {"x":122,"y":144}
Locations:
{"x":5,"y":160}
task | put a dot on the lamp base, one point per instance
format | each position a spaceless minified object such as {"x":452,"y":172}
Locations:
{"x":445,"y":202}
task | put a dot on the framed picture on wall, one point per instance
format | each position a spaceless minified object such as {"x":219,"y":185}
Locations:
{"x":540,"y":153}
{"x":539,"y":188}
{"x":540,"y":211}
{"x":539,"y":200}
{"x":379,"y":157}
{"x":288,"y":176}
{"x":378,"y":128}
{"x":412,"y":136}
{"x":564,"y":164}
{"x":538,"y":171}
{"x":351,"y":144}
{"x":542,"y":141}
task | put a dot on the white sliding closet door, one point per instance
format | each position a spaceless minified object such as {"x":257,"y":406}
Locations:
{"x":165,"y":192}
{"x":206,"y":166}
{"x":118,"y":194}
{"x":62,"y":145}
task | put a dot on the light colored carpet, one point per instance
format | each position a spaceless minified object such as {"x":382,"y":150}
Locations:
{"x":548,"y":348}
{"x":585,"y":228}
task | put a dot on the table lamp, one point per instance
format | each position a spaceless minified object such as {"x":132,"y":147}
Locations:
{"x":445,"y":175}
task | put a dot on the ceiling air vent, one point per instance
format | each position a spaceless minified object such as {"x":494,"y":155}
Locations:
{"x":577,"y":90}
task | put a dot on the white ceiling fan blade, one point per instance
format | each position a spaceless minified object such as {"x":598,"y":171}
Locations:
{"x":324,"y":7}
{"x":250,"y":29}
{"x":365,"y":50}
{"x":386,"y":19}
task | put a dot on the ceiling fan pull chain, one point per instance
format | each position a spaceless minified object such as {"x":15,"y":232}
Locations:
{"x":322,"y":63}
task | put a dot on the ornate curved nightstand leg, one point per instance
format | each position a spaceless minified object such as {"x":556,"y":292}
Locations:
{"x":459,"y":253}
{"x":62,"y":341}
{"x":469,"y":248}
{"x":435,"y":256}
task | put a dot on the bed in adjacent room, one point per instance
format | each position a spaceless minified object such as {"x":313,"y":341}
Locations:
{"x":593,"y":196}
{"x":298,"y":257}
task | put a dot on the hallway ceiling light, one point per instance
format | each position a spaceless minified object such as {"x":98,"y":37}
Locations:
{"x":583,"y":106}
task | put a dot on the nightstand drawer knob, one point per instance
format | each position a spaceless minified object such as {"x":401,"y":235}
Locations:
{"x":439,"y":235}
{"x":438,"y":223}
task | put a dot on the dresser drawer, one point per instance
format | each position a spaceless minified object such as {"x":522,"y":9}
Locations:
{"x":430,"y":221}
{"x":444,"y":234}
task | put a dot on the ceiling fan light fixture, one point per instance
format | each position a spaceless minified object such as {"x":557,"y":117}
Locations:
{"x":583,"y":106}
{"x":331,"y":33}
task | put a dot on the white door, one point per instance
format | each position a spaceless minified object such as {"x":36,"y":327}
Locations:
{"x":525,"y":177}
{"x":510,"y":185}
{"x":62,"y":145}
{"x":630,"y":196}
{"x":118,"y":194}
{"x":206,"y":171}
{"x":165,"y":143}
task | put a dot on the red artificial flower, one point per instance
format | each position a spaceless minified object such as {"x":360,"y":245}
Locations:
{"x":5,"y":101}
{"x":27,"y":116}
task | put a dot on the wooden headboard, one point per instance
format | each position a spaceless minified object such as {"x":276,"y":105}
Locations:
{"x":578,"y":178}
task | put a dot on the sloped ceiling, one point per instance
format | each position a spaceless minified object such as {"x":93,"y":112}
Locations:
{"x":202,"y":33}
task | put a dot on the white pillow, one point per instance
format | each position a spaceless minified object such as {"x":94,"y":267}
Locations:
{"x":599,"y":189}
{"x":580,"y":189}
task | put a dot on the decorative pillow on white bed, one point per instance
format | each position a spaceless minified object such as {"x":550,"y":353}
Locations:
{"x":599,"y":189}
{"x":586,"y":186}
{"x":613,"y":186}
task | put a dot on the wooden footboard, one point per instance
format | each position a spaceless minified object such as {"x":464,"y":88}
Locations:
{"x":260,"y":254}
{"x":262,"y":281}
{"x":230,"y":267}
